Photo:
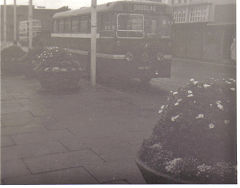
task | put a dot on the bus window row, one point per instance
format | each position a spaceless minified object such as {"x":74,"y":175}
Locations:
{"x":108,"y":23}
{"x":82,"y":24}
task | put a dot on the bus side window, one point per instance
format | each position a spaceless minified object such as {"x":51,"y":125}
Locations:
{"x":99,"y":22}
{"x":55,"y":26}
{"x":107,"y":22}
{"x":75,"y":24}
{"x":61,"y":26}
{"x":67,"y":25}
{"x":84,"y":24}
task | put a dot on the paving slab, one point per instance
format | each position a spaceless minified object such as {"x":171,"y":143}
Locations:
{"x":76,"y":175}
{"x":7,"y":141}
{"x":62,"y":160}
{"x":16,"y":118}
{"x":28,"y":128}
{"x":74,"y":143}
{"x":31,"y":149}
{"x":12,"y":106}
{"x":45,"y":136}
{"x":121,"y":170}
{"x":13,"y":168}
{"x":94,"y":133}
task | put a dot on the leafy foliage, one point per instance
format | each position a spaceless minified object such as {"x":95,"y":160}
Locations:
{"x":57,"y":69}
{"x":195,"y":138}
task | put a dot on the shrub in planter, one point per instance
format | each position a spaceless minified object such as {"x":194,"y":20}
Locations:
{"x":195,"y":138}
{"x":57,"y":70}
{"x":11,"y":60}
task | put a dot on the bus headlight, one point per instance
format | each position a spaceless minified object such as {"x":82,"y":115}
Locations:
{"x":129,"y":56}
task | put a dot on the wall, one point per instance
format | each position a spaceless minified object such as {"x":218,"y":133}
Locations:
{"x":45,"y":15}
{"x":210,"y":40}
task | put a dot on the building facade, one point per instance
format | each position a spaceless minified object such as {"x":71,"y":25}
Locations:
{"x":44,"y":15}
{"x":203,"y":29}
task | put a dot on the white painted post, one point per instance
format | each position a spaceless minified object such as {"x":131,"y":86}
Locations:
{"x":5,"y":23}
{"x":30,"y":18}
{"x":93,"y":41}
{"x":15,"y":21}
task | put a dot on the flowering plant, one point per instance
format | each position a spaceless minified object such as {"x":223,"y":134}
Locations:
{"x":55,"y":59}
{"x":57,"y":69}
{"x":195,"y":138}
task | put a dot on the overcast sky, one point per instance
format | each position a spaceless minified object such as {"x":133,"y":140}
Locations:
{"x":74,"y":4}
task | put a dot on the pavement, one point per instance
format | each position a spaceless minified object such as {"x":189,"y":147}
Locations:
{"x":88,"y":137}
{"x":91,"y":136}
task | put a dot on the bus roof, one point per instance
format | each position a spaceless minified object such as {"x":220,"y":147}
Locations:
{"x":102,"y":8}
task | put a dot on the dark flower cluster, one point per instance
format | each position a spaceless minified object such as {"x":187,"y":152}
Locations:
{"x":55,"y":59}
{"x":57,"y":69}
{"x":195,"y":138}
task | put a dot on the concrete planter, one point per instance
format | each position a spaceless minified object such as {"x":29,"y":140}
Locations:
{"x":151,"y":176}
{"x":59,"y":80}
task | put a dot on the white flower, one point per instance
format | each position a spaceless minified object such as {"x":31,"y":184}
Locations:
{"x":226,"y":122}
{"x":158,"y":145}
{"x":162,"y":107}
{"x":176,"y":104}
{"x":55,"y":69}
{"x":190,"y":95}
{"x":200,"y":116}
{"x":64,"y":70}
{"x":189,"y":92}
{"x":192,"y":80}
{"x":206,"y":85}
{"x":195,"y":82}
{"x":172,"y":165}
{"x":211,"y":126}
{"x":228,"y":82}
{"x":46,"y":69}
{"x":219,"y":105}
{"x":232,"y":89}
{"x":160,"y":111}
{"x":175,"y":93}
{"x":203,"y":167}
{"x":174,"y":118}
{"x":179,"y":100}
{"x":232,"y":80}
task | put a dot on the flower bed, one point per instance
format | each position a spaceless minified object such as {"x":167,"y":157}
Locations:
{"x":195,"y":138}
{"x":56,"y":69}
